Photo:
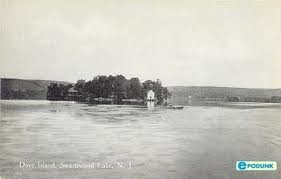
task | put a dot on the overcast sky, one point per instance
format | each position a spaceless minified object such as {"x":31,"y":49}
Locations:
{"x":196,"y":42}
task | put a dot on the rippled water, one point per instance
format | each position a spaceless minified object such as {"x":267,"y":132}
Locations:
{"x":197,"y":142}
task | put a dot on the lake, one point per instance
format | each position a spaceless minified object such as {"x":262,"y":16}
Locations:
{"x":41,"y":139}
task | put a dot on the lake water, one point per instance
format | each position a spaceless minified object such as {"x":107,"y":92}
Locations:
{"x":197,"y":142}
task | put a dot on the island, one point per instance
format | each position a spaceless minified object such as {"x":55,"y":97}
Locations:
{"x":110,"y":90}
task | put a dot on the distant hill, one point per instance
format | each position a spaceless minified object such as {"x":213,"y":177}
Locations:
{"x":12,"y":88}
{"x":210,"y":93}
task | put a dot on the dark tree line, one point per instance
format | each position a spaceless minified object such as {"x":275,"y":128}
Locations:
{"x":113,"y":87}
{"x":58,"y":91}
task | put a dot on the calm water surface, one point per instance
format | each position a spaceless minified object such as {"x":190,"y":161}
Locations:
{"x":197,"y":142}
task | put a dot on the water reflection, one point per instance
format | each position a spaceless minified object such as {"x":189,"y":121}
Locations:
{"x":150,"y":105}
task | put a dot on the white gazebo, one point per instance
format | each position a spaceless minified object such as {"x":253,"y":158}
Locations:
{"x":150,"y":96}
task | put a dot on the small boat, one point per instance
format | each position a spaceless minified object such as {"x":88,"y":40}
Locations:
{"x":170,"y":106}
{"x":178,"y":107}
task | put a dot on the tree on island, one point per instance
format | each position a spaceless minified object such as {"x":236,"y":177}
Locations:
{"x":134,"y":88}
{"x":58,"y":91}
{"x":112,"y":87}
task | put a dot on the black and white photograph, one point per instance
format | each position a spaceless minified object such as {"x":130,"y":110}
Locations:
{"x":138,"y":89}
